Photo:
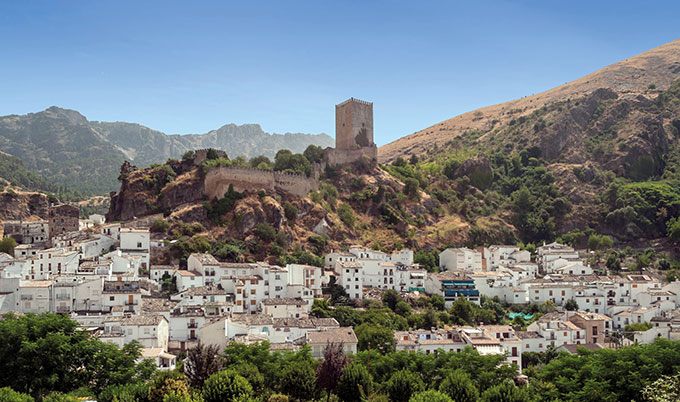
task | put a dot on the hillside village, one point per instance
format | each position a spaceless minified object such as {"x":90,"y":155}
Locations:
{"x":101,"y":275}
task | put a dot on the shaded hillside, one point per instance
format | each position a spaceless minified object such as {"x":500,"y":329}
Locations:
{"x":69,"y":151}
{"x":60,"y":145}
{"x":13,"y":171}
{"x":630,"y":78}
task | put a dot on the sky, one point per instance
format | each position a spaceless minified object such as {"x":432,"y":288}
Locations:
{"x":192,"y":66}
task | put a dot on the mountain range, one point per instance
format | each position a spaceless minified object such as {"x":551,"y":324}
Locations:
{"x":65,"y":148}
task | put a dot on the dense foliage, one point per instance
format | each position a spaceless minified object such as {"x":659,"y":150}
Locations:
{"x":46,"y":358}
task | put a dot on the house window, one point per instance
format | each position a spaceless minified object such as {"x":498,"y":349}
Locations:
{"x":112,"y":298}
{"x":139,"y":245}
{"x":252,"y":291}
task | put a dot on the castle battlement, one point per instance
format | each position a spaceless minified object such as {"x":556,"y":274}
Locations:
{"x":354,"y":100}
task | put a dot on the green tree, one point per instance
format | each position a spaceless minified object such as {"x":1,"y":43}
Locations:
{"x":459,"y":387}
{"x":313,"y":153}
{"x":403,"y":384}
{"x":462,"y":311}
{"x":59,"y":397}
{"x":7,"y":245}
{"x":665,"y":389}
{"x":571,"y":305}
{"x":346,"y":215}
{"x":166,"y":383}
{"x":265,"y":232}
{"x":403,"y":309}
{"x":290,"y":211}
{"x":505,"y":392}
{"x":41,"y":353}
{"x":260,"y":162}
{"x":353,"y":381}
{"x":135,"y":392}
{"x":411,"y":187}
{"x":594,"y":242}
{"x":188,"y":155}
{"x":613,"y":262}
{"x":7,"y":394}
{"x":673,"y":229}
{"x":299,"y":379}
{"x":226,"y":385}
{"x":374,"y":337}
{"x":391,"y":297}
{"x":430,"y":396}
{"x":159,"y":226}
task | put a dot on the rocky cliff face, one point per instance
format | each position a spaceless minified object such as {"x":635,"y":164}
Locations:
{"x":23,"y":205}
{"x":149,"y":191}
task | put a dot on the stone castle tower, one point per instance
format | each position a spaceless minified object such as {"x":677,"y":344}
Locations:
{"x":354,"y":124}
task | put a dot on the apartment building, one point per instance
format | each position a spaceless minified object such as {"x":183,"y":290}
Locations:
{"x":460,"y":259}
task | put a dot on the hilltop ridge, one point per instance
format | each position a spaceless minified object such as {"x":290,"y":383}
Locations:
{"x":629,"y":78}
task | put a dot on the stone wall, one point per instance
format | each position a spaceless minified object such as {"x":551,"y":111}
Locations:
{"x":218,"y":179}
{"x":336,"y":157}
{"x":63,"y":219}
{"x":202,"y":154}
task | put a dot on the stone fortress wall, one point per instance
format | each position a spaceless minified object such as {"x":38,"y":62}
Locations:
{"x":218,"y":179}
{"x":353,"y":118}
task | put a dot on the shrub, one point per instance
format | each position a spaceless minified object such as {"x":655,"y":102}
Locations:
{"x":353,"y":381}
{"x":459,"y":387}
{"x":265,"y":232}
{"x":290,"y":211}
{"x":430,"y":396}
{"x":226,"y":385}
{"x":188,"y":155}
{"x":159,"y":226}
{"x":7,"y":245}
{"x":403,"y":384}
{"x":7,"y":394}
{"x":411,"y":187}
{"x":346,"y":215}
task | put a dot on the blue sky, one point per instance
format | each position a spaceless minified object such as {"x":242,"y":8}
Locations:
{"x":189,"y":67}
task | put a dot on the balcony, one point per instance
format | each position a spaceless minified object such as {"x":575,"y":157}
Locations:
{"x":26,"y":297}
{"x":192,"y":325}
{"x":63,"y":297}
{"x":131,"y":303}
{"x":62,"y":309}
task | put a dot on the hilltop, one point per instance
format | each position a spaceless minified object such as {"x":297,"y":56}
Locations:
{"x":641,"y":76}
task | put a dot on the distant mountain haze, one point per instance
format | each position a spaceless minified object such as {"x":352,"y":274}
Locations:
{"x":64,"y":147}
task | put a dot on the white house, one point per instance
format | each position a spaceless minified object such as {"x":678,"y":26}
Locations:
{"x":135,"y":242}
{"x":460,"y":259}
{"x":351,"y":276}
